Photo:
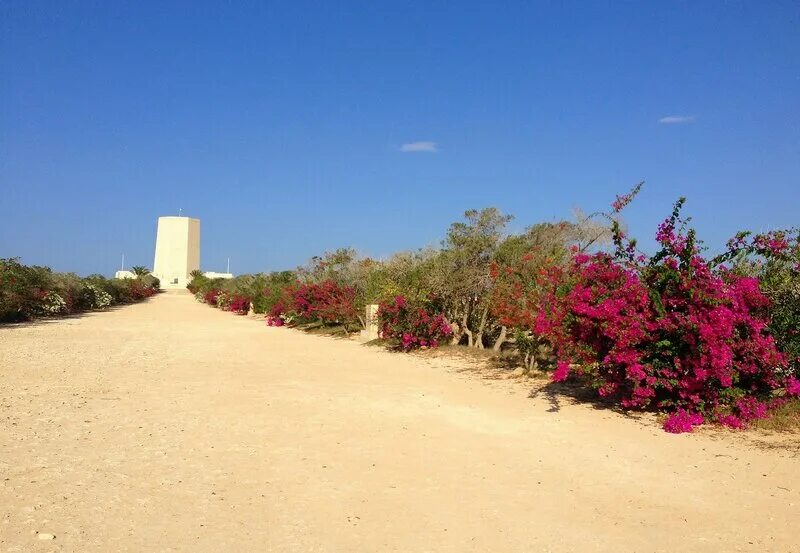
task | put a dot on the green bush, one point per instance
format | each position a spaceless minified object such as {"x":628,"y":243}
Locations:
{"x":27,"y":292}
{"x":21,"y":289}
{"x":272,"y":291}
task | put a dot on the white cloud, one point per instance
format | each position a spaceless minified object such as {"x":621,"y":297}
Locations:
{"x":676,"y":119}
{"x":422,"y":146}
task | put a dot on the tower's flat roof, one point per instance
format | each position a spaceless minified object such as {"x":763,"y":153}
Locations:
{"x":178,"y":217}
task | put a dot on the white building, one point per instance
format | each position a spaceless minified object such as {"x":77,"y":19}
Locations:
{"x":124,"y":274}
{"x":177,"y":250}
{"x":212,"y":274}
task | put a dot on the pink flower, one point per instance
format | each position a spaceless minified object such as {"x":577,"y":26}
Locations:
{"x":751,"y":409}
{"x":562,"y":371}
{"x":732,"y":421}
{"x":793,"y":387}
{"x":682,"y":421}
{"x":623,"y":200}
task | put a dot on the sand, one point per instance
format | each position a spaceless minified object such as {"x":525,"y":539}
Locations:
{"x":171,"y":426}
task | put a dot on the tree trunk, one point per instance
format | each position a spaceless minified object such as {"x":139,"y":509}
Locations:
{"x":470,"y":339}
{"x":456,"y":328}
{"x":456,"y":334}
{"x":531,"y":361}
{"x":465,"y":329}
{"x":479,"y":333}
{"x":500,"y":339}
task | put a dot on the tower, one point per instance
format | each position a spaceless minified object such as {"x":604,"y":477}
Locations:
{"x":177,"y":250}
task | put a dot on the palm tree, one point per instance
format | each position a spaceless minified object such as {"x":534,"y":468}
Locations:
{"x":140,"y":271}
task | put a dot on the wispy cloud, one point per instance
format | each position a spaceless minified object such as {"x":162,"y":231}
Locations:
{"x":676,"y":119}
{"x":422,"y":146}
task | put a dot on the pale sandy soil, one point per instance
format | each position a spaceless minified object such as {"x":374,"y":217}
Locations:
{"x":170,"y":426}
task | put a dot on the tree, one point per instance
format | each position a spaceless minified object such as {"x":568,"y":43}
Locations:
{"x":140,"y":271}
{"x":516,"y":271}
{"x":460,"y":275}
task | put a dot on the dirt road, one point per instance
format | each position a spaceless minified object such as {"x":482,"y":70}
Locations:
{"x":170,"y":426}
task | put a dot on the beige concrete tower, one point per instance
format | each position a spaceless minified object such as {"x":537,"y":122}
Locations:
{"x":177,"y":250}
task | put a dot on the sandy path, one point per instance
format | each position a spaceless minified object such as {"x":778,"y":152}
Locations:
{"x":169,"y":426}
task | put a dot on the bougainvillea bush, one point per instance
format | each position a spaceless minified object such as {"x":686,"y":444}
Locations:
{"x":413,"y":326}
{"x":274,"y":320}
{"x":774,"y":258}
{"x":211,"y":296}
{"x":668,"y":332}
{"x":516,"y":275}
{"x":278,"y":301}
{"x":326,"y":301}
{"x":138,"y":291}
{"x":239,"y":305}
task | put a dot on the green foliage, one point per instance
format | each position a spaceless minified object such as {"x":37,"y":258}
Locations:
{"x":150,"y":281}
{"x":21,"y":289}
{"x":779,"y":274}
{"x":140,"y":271}
{"x":272,"y":290}
{"x":27,"y":292}
{"x":782,"y":286}
{"x":202,"y":284}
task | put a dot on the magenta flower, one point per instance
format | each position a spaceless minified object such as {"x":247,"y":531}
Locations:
{"x":792,"y":387}
{"x":562,"y":371}
{"x":682,"y":421}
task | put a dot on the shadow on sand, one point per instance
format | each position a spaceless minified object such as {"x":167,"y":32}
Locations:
{"x":42,"y":321}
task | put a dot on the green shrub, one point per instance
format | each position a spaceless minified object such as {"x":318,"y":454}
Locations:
{"x":21,"y":289}
{"x":27,"y":292}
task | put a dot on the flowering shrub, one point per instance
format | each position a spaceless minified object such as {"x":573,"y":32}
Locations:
{"x":682,"y":421}
{"x":514,"y":303}
{"x":516,"y":275}
{"x":514,"y":298}
{"x":774,"y":258}
{"x":138,"y":291}
{"x":273,"y":320}
{"x":239,"y":305}
{"x":326,"y":301}
{"x":279,"y":308}
{"x":210,"y":297}
{"x":96,"y":297}
{"x":279,"y":301}
{"x":792,"y":387}
{"x":412,"y":327}
{"x":51,"y":303}
{"x":224,"y":299}
{"x":664,"y":332}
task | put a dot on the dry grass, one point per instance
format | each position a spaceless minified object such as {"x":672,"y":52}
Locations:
{"x":784,"y":419}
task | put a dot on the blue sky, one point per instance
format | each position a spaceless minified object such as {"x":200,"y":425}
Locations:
{"x":297,"y":127}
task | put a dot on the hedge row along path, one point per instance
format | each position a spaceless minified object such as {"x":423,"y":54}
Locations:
{"x":169,"y":426}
